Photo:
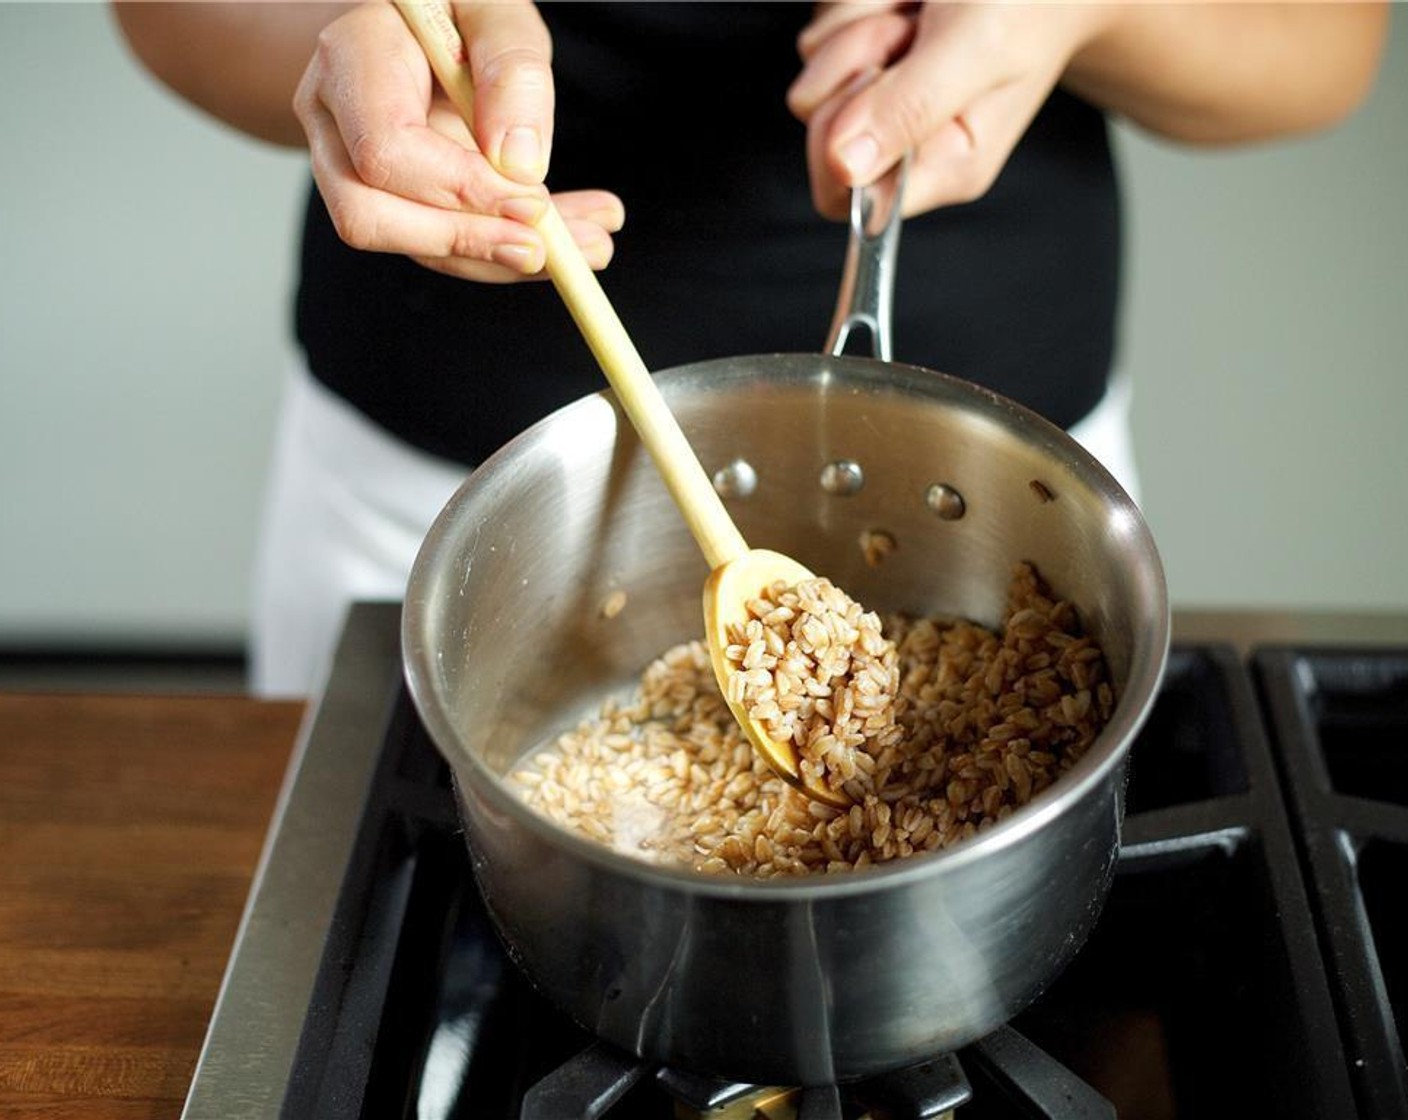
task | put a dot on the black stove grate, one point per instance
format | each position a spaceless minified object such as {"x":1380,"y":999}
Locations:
{"x":1200,"y":993}
{"x":1340,"y":723}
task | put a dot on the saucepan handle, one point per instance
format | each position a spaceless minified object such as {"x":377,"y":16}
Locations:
{"x":868,"y":278}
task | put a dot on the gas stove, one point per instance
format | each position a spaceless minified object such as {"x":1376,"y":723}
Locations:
{"x":1251,"y":960}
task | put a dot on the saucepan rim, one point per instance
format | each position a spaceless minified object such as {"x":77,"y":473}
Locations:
{"x":1095,"y":767}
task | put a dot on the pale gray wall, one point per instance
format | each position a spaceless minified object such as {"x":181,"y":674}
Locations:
{"x":146,"y":265}
{"x":1267,"y":327}
{"x":145,"y":269}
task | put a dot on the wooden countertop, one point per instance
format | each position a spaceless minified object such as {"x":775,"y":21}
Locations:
{"x":130,"y":827}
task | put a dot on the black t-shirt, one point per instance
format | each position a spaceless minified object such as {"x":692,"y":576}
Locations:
{"x":679,"y":109}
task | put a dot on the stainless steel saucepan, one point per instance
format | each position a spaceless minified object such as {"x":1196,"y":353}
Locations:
{"x":505,"y":642}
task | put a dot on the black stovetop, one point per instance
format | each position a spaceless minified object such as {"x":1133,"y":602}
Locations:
{"x":1251,"y":960}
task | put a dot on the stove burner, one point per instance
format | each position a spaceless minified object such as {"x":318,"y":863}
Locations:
{"x":588,"y":1085}
{"x":591,"y":1083}
{"x":699,"y":1098}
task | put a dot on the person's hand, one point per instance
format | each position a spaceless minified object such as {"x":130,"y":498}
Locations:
{"x":954,"y":84}
{"x":400,"y":171}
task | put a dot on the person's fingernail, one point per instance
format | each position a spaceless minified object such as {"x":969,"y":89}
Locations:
{"x":522,"y":152}
{"x":590,"y":238}
{"x":598,"y":251}
{"x":526,"y":259}
{"x":859,"y":155}
{"x":799,"y":93}
{"x":525,"y":210}
{"x":608,"y":218}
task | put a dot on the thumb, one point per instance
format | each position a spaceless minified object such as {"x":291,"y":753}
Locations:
{"x":831,"y":192}
{"x":510,"y":59}
{"x":871,"y":133}
{"x":917,"y":97}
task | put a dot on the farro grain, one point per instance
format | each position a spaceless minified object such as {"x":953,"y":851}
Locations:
{"x":613,"y":604}
{"x":936,"y":728}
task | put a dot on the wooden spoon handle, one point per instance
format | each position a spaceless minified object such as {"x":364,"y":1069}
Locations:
{"x":596,"y":319}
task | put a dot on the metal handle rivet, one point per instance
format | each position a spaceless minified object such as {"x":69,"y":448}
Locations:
{"x":737,"y":480}
{"x":842,"y":477}
{"x":945,"y":501}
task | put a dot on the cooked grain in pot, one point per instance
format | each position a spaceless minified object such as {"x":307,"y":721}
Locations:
{"x":980,"y":723}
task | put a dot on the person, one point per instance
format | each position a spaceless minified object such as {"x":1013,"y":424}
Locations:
{"x":734,"y":133}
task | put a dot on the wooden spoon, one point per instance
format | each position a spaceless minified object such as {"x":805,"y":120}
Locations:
{"x":738,"y":573}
